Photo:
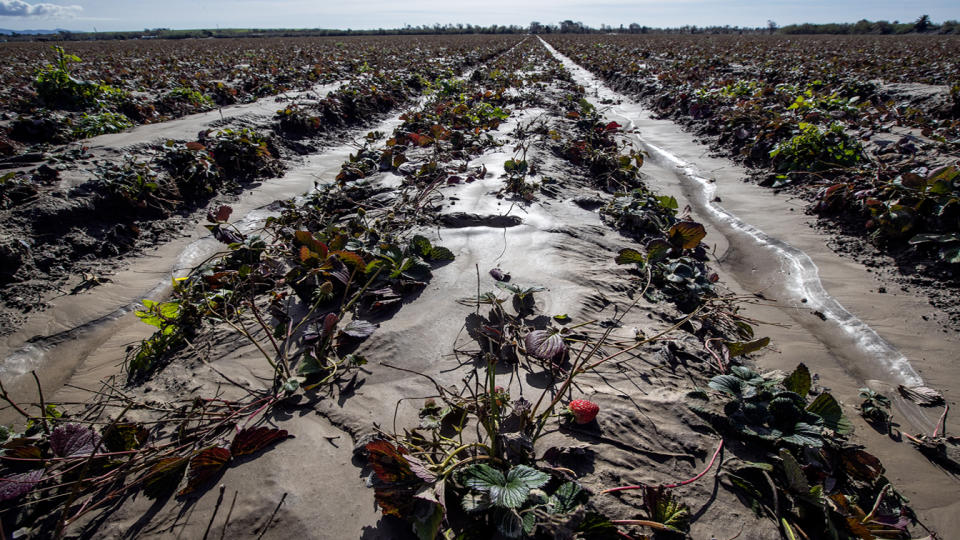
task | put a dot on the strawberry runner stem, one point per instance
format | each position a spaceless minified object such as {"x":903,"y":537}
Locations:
{"x":876,"y":503}
{"x":671,"y":486}
{"x":940,"y":422}
{"x":641,"y":522}
{"x":714,"y":354}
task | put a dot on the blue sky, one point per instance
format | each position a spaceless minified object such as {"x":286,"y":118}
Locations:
{"x":88,"y":15}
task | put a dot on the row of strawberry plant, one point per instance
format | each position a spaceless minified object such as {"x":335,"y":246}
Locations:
{"x":801,"y":471}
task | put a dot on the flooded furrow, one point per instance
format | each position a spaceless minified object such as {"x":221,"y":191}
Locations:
{"x":188,"y":126}
{"x":764,"y":262}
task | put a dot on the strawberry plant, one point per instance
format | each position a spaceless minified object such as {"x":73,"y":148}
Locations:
{"x":875,"y":407}
{"x":57,"y":86}
{"x":804,"y":433}
{"x":815,"y":148}
{"x":189,"y":95}
{"x":91,"y":125}
{"x":513,"y":500}
{"x":243,"y":154}
{"x":136,"y":186}
{"x":192,"y":168}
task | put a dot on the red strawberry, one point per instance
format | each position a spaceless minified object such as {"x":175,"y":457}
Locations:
{"x":583,"y":411}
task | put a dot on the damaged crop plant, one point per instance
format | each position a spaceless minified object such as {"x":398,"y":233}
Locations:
{"x":420,"y":299}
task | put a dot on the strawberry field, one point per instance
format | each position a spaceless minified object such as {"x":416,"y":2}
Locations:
{"x":447,"y":287}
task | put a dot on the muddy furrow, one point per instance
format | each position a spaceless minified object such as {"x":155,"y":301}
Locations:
{"x":830,"y":313}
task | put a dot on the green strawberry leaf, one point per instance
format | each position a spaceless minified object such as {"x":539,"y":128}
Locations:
{"x":505,"y":492}
{"x":799,"y":381}
{"x":440,"y":254}
{"x":728,"y":384}
{"x":567,"y":498}
{"x":630,"y":256}
{"x":827,"y":408}
{"x":420,"y":245}
{"x":804,"y":435}
{"x":740,"y":348}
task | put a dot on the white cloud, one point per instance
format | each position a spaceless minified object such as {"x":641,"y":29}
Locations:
{"x":19,"y":8}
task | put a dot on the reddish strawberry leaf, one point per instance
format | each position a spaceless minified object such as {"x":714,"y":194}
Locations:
{"x":544,"y":344}
{"x":350,"y":259}
{"x":398,"y":477}
{"x":252,"y":440}
{"x":204,"y":466}
{"x":329,"y":324}
{"x":861,"y":465}
{"x":306,"y":254}
{"x":306,"y":238}
{"x":164,"y":476}
{"x":15,"y":485}
{"x":221,"y":215}
{"x":22,"y":448}
{"x":73,"y":440}
{"x":392,"y":464}
{"x":420,"y":140}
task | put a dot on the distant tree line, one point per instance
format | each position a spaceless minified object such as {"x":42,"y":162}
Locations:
{"x":166,"y":33}
{"x":922,"y":25}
